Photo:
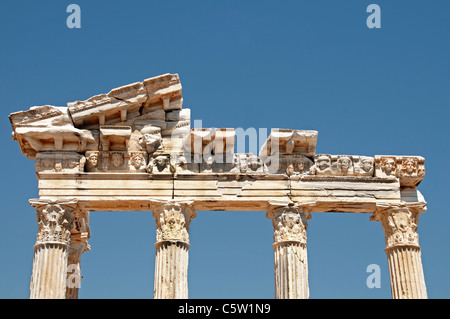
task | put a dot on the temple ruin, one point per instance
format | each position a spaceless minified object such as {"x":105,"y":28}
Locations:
{"x":133,"y":149}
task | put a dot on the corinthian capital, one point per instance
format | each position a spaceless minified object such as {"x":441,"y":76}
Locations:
{"x":55,"y":220}
{"x":399,"y":224}
{"x":289,"y":222}
{"x":172,"y":219}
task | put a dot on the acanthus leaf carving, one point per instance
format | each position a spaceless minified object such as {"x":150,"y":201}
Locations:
{"x":55,"y":220}
{"x":173,"y":220}
{"x":289,"y":224}
{"x":399,"y":223}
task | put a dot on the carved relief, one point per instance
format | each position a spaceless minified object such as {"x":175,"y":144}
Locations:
{"x":138,"y":161}
{"x":173,"y":220}
{"x":117,"y":159}
{"x":399,"y":225}
{"x":295,"y":165}
{"x":108,"y":161}
{"x":92,"y":161}
{"x":249,"y":163}
{"x":409,"y":169}
{"x":322,"y":165}
{"x":365,"y":166}
{"x":388,"y":165}
{"x":343,"y":165}
{"x":159,"y":164}
{"x":151,"y":141}
{"x":55,"y":220}
{"x":289,"y":224}
{"x":64,"y":162}
{"x":245,"y":163}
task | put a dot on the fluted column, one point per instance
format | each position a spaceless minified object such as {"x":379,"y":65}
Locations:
{"x":80,"y":234}
{"x":290,"y":254}
{"x":55,"y":218}
{"x":173,"y":219}
{"x":399,"y":223}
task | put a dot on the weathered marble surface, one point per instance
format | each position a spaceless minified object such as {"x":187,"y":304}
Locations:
{"x":115,"y":151}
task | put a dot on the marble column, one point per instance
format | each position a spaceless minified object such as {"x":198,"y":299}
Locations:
{"x":173,"y":219}
{"x":399,"y":223}
{"x":80,"y":234}
{"x":290,"y":254}
{"x":55,"y":219}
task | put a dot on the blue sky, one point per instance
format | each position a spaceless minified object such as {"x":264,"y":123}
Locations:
{"x":263,"y":64}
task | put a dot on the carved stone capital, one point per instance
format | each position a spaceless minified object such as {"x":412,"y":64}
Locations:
{"x":55,"y":220}
{"x":399,"y":224}
{"x":172,"y":219}
{"x":289,"y":222}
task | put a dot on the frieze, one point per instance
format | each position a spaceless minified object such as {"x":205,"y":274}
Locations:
{"x":410,"y":170}
{"x":60,"y":162}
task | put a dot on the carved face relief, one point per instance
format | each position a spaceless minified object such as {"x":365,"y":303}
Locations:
{"x":161,"y":162}
{"x":254,"y":163}
{"x":409,"y":165}
{"x":366,"y":164}
{"x":323,"y":162}
{"x":344,"y":164}
{"x":58,"y":167}
{"x":93,"y":159}
{"x":388,"y":165}
{"x":300,"y":166}
{"x":290,"y":169}
{"x":116,"y":160}
{"x":46,"y":162}
{"x":137,"y":160}
{"x":71,"y":164}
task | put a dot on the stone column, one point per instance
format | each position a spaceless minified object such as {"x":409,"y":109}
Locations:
{"x":290,"y":254}
{"x":55,"y":218}
{"x":80,"y":234}
{"x":399,"y":223}
{"x":172,"y":248}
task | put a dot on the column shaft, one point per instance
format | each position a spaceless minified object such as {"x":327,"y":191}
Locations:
{"x":405,"y":267}
{"x":291,"y":271}
{"x":48,"y":280}
{"x":171,"y":266}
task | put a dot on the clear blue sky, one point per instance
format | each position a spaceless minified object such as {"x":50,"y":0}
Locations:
{"x":262,"y":64}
